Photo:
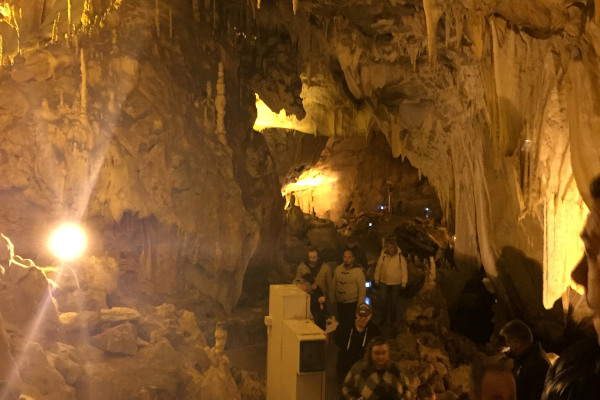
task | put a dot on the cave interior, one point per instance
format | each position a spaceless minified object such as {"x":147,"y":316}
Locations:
{"x":204,"y":146}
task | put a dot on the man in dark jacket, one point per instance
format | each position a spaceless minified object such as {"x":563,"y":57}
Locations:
{"x":352,"y":339}
{"x":530,"y":361}
{"x":576,"y":374}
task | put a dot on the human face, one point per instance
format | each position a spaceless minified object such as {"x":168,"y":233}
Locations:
{"x":391,"y":249}
{"x":497,"y":385}
{"x":348,"y":258}
{"x":380,"y":355}
{"x":362,"y":321}
{"x":514,"y":345}
{"x":313,"y":257}
{"x":587,"y":271}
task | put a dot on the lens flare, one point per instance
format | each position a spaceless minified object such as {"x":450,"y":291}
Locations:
{"x":67,"y":241}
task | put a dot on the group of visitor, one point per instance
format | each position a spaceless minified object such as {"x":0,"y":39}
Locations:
{"x":344,"y":288}
{"x":367,"y":372}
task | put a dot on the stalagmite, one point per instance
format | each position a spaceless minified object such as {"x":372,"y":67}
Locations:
{"x":220,"y":101}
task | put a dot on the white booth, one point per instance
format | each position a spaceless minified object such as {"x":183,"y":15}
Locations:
{"x":296,"y":348}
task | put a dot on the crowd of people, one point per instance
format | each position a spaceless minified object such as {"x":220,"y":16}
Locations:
{"x":366,"y":372}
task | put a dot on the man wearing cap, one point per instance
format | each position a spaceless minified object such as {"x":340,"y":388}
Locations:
{"x":391,"y":276}
{"x":352,"y":339}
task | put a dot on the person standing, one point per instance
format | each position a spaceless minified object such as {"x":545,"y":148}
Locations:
{"x":359,"y":253}
{"x":376,"y":377}
{"x":530,"y":361}
{"x":352,"y":340}
{"x":391,"y":276}
{"x":349,"y":288}
{"x":318,"y":309}
{"x":320,"y":272}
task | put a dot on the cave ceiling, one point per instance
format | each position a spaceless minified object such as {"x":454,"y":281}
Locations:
{"x":494,"y":101}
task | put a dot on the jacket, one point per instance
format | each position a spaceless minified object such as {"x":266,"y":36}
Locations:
{"x":349,"y":284}
{"x":391,"y":270}
{"x":364,"y":381}
{"x":576,"y":374}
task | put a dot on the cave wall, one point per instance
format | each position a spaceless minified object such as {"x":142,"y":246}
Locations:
{"x":493,"y":102}
{"x":139,"y":126}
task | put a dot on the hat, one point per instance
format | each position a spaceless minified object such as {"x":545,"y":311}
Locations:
{"x":364,"y":310}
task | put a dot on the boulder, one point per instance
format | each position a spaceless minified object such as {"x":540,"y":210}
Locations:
{"x":120,"y":339}
{"x":41,"y":380}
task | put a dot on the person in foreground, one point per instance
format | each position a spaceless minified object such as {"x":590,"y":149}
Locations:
{"x":530,"y":360}
{"x":352,"y":340}
{"x":492,"y":379}
{"x":576,"y":374}
{"x":376,"y":377}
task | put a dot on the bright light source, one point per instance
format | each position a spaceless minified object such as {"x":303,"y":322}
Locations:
{"x":426,"y":208}
{"x":381,"y":207}
{"x":370,"y":224}
{"x":67,"y":241}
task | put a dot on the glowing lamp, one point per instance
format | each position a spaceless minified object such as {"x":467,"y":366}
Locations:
{"x":67,"y":241}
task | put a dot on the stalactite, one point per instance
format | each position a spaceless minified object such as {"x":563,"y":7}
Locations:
{"x":476,"y":23}
{"x":83,"y":88}
{"x":196,"y":10}
{"x":413,"y":54}
{"x":214,"y":14}
{"x":458,"y":22}
{"x":433,"y":12}
{"x":258,"y":4}
{"x":157,"y":18}
{"x":54,"y":38}
{"x":171,"y":23}
{"x":294,"y":6}
{"x":111,"y":101}
{"x":69,"y":21}
{"x":87,"y":14}
{"x":220,"y":100}
{"x":209,"y":109}
{"x":1,"y":51}
{"x":115,"y":48}
{"x":447,"y":30}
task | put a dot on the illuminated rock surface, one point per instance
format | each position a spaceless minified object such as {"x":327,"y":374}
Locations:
{"x":135,"y":117}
